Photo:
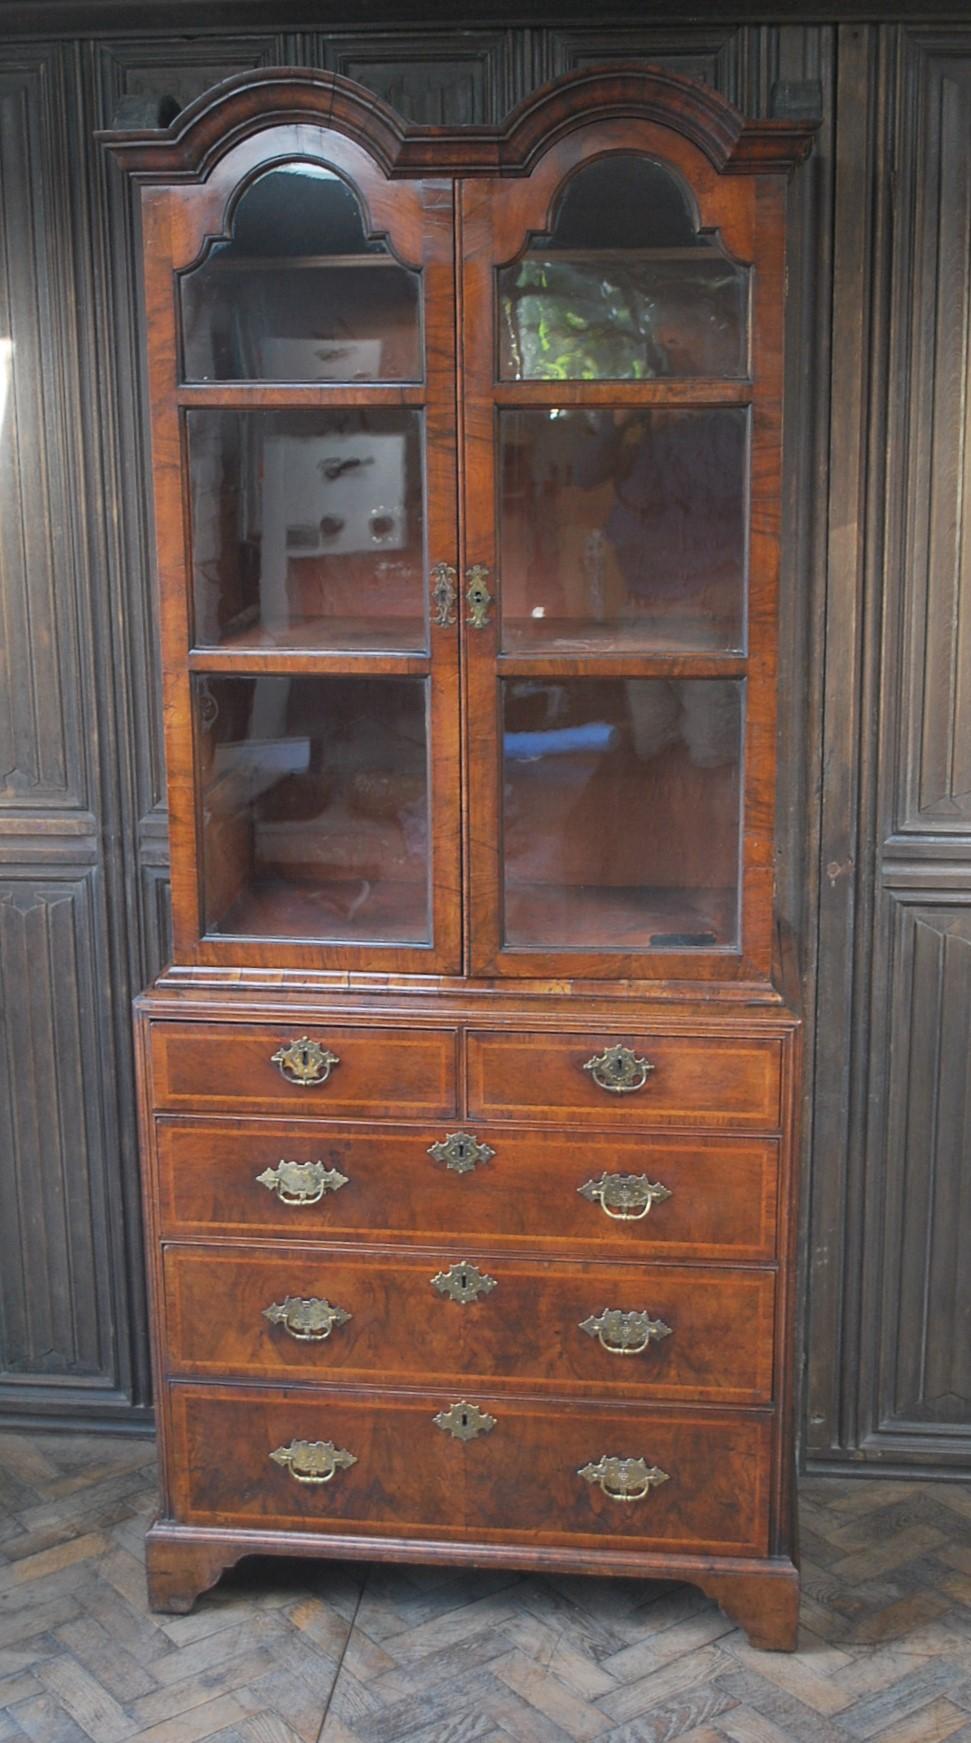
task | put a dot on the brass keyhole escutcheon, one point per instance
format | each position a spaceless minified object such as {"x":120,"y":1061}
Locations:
{"x":463,"y":1421}
{"x":477,"y":595}
{"x":461,"y":1152}
{"x":463,"y":1283}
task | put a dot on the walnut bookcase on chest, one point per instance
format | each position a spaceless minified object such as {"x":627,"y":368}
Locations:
{"x":468,"y":1097}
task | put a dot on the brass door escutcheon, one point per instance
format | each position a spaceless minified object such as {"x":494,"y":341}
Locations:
{"x":625,"y":1197}
{"x":463,"y":1282}
{"x":624,"y":1334}
{"x":313,"y":1461}
{"x":477,"y":595}
{"x":444,"y":594}
{"x":619,"y":1070}
{"x":301,"y":1183}
{"x":307,"y":1318}
{"x":624,"y":1479}
{"x":464,"y":1421}
{"x":304,"y":1061}
{"x":461,"y":1152}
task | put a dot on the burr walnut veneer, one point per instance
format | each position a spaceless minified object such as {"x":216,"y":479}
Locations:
{"x":468,"y":1097}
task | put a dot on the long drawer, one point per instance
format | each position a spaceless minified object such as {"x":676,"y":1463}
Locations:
{"x":379,"y":1464}
{"x":676,"y":1197}
{"x":332,"y":1071}
{"x":454,"y":1317}
{"x":630,"y":1080}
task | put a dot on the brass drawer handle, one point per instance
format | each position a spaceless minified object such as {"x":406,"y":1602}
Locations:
{"x":304,"y":1061}
{"x":619,"y":1070}
{"x":444,"y":594}
{"x":313,"y":1461}
{"x":463,"y":1283}
{"x":463,"y":1421}
{"x":625,"y":1197}
{"x":624,"y":1479}
{"x":461,"y":1152}
{"x":307,"y":1318}
{"x":624,"y":1334}
{"x":301,"y":1182}
{"x":477,"y":595}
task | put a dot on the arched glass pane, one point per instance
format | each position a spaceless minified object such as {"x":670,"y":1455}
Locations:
{"x":623,"y":288}
{"x":298,"y":292}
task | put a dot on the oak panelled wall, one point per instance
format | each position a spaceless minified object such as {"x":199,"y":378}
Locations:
{"x":876,"y":872}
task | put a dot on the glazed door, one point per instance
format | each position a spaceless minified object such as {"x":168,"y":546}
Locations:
{"x":621,"y":478}
{"x":302,"y":369}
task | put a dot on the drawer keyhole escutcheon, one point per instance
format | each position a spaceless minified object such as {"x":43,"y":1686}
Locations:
{"x":301,"y":1183}
{"x":304,"y":1061}
{"x":463,"y":1282}
{"x":463,"y":1421}
{"x":625,"y":1197}
{"x":313,"y":1461}
{"x":624,"y":1479}
{"x":624,"y":1334}
{"x":307,"y":1318}
{"x":461,"y":1152}
{"x":619,"y":1070}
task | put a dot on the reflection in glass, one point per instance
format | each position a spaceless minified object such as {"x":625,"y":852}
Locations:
{"x":298,"y":292}
{"x":621,"y":813}
{"x":314,"y":808}
{"x":624,"y":288}
{"x":307,"y":528}
{"x":623,"y":529}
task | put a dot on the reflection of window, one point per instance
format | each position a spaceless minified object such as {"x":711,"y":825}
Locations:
{"x":624,"y":286}
{"x":299,"y":292}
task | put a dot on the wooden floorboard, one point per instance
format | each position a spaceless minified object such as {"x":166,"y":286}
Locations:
{"x":297,"y":1652}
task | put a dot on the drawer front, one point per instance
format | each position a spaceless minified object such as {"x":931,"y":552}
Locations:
{"x":521,"y":1477}
{"x":673,"y":1080}
{"x":455,"y":1317}
{"x":702,"y":1197}
{"x":249,"y":1068}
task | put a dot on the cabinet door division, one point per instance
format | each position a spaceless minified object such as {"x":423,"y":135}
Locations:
{"x":468,"y":1098}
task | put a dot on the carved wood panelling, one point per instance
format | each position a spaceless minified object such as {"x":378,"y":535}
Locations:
{"x":41,"y":741}
{"x":443,"y":78}
{"x":925,"y":1365}
{"x":933,"y":288}
{"x":55,"y":1279}
{"x":712,"y":53}
{"x":887,"y":1379}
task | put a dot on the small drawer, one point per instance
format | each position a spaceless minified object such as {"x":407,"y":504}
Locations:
{"x":334,"y":1461}
{"x":629,"y":1080}
{"x":288,"y":1068}
{"x":701,"y":1197}
{"x":457,"y":1318}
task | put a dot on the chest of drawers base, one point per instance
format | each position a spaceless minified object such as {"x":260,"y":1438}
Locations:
{"x":528,"y":1291}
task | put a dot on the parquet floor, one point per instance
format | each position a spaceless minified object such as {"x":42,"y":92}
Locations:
{"x":330,"y":1653}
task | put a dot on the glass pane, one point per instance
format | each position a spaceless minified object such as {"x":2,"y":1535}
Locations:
{"x":623,"y":529}
{"x":298,"y":293}
{"x":308,"y":529}
{"x":314,"y":808}
{"x":624,"y":287}
{"x":621,"y":813}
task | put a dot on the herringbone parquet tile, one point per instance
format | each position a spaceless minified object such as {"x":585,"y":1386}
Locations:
{"x":328,"y":1653}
